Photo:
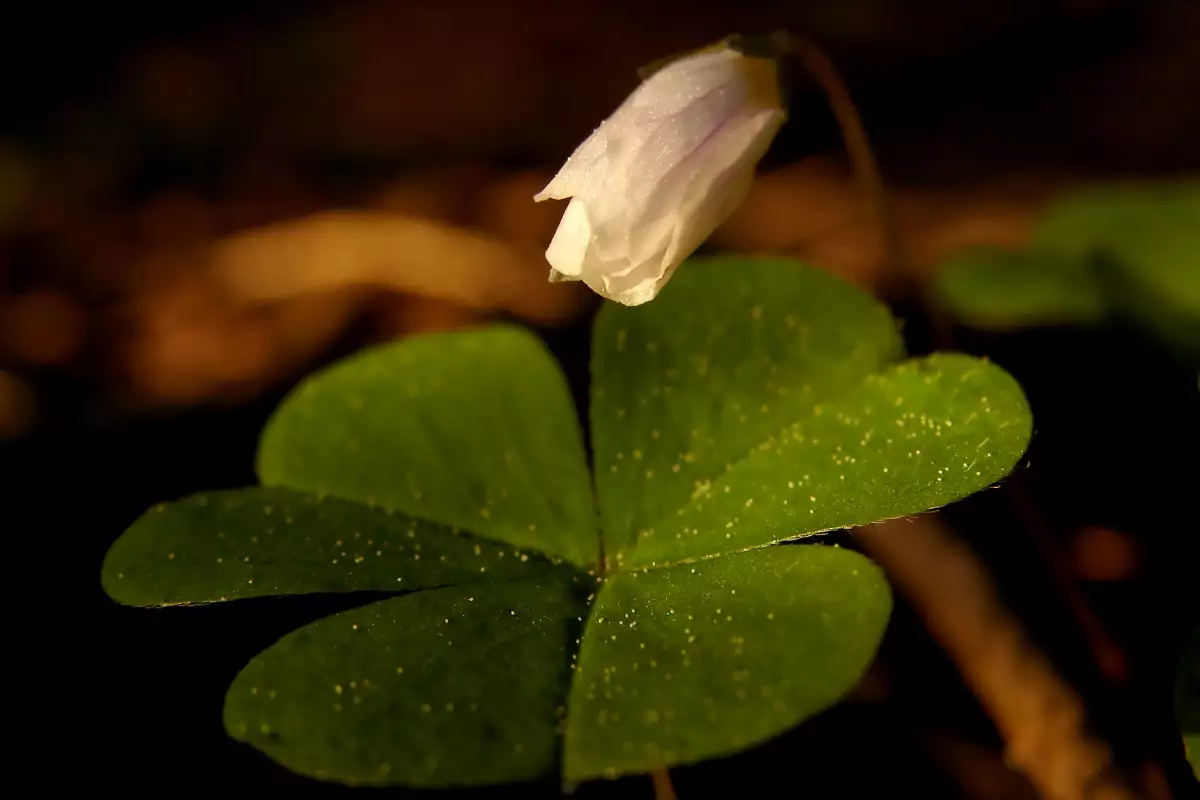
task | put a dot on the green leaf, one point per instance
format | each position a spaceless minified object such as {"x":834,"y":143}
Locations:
{"x":994,"y":288}
{"x":472,"y":429}
{"x":751,"y":386}
{"x":1146,"y":240}
{"x":454,"y":686}
{"x":731,"y":352}
{"x":269,"y":541}
{"x":691,"y":662}
{"x":1115,"y":216}
{"x":922,"y":434}
{"x":1187,"y":700}
{"x":1126,"y":250}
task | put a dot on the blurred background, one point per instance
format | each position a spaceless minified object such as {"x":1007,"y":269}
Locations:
{"x":202,"y":202}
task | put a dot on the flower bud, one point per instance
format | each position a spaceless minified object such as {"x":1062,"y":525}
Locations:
{"x":659,"y":175}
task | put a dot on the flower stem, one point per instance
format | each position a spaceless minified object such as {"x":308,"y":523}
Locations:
{"x":663,"y":790}
{"x":897,"y":275}
{"x":858,"y":147}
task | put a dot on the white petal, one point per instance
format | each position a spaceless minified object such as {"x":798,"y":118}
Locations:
{"x":571,"y":254}
{"x":572,"y":177}
{"x":680,"y":83}
{"x":568,"y":249}
{"x":687,"y":215}
{"x":658,"y":176}
{"x":668,"y":92}
{"x":718,"y":190}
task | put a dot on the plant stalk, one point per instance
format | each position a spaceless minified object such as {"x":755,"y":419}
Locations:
{"x":1040,"y":716}
{"x":663,"y":790}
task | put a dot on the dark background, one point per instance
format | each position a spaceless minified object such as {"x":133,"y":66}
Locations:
{"x":129,"y":700}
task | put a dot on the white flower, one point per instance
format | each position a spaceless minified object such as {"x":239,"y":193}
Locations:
{"x":659,"y":175}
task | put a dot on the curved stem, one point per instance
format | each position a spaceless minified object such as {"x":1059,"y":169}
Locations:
{"x":866,"y":170}
{"x":858,"y":147}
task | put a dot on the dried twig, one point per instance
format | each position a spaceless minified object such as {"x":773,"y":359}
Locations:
{"x":1040,"y":717}
{"x":978,"y":771}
